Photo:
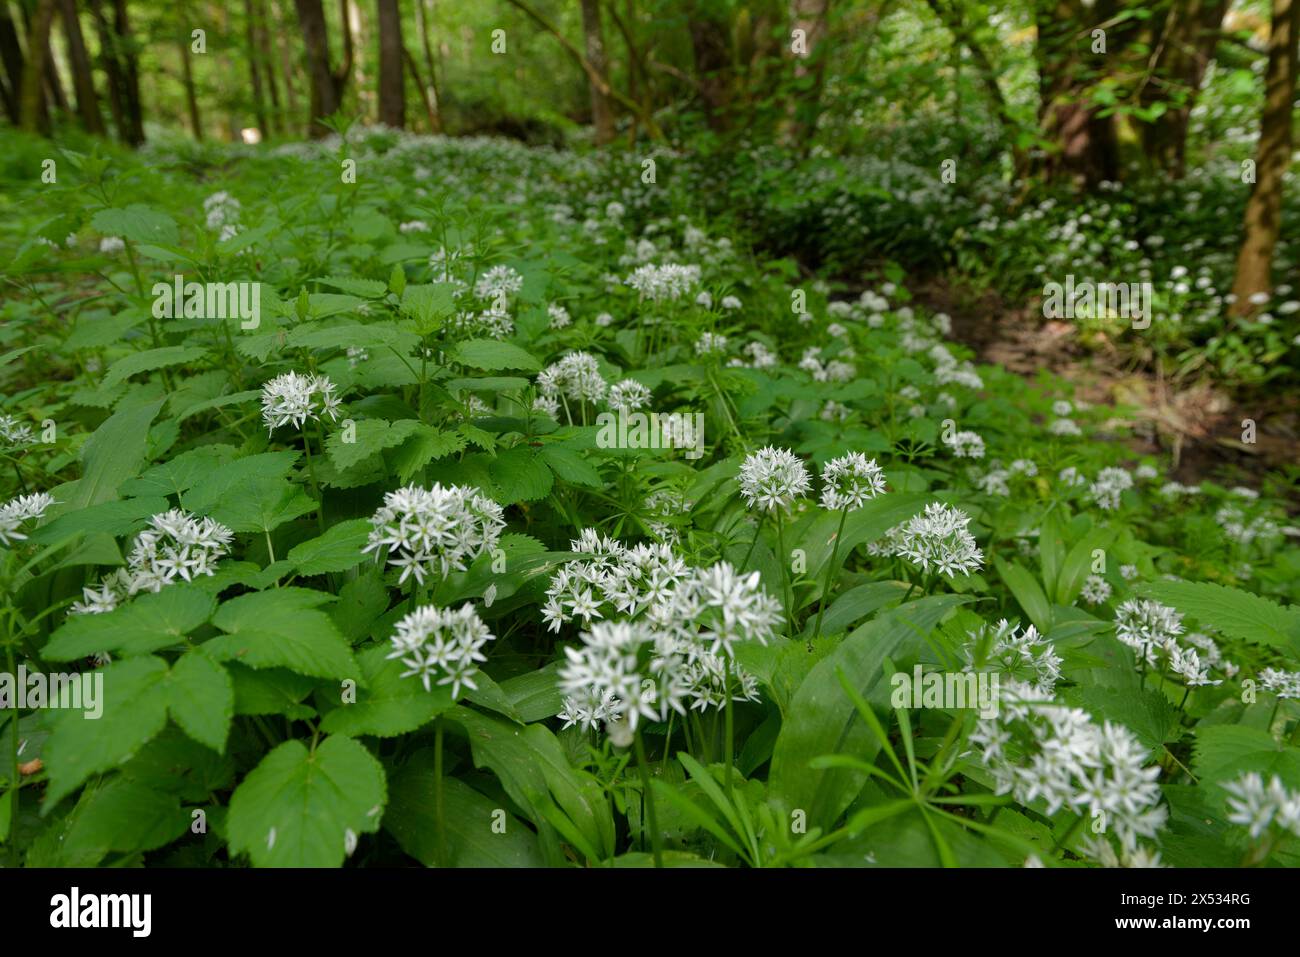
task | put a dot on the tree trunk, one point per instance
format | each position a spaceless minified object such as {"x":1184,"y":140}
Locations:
{"x":344,"y":72}
{"x":1186,"y":44}
{"x":711,"y":48}
{"x":31,"y":99}
{"x":432,"y":98}
{"x":112,"y":69}
{"x":1084,"y":146}
{"x":266,"y":60}
{"x":83,"y":80}
{"x":1264,"y":208}
{"x":187,"y":77}
{"x":392,"y":84}
{"x":254,"y":71}
{"x":11,"y":54}
{"x":809,"y":68}
{"x":324,"y":96}
{"x":286,"y":62}
{"x":130,"y":73}
{"x":602,"y":109}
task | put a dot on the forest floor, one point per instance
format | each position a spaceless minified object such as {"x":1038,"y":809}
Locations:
{"x":1199,"y":423}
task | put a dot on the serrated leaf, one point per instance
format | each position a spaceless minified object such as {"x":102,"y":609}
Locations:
{"x":337,"y":550}
{"x":423,"y":445}
{"x":146,"y":623}
{"x":492,"y":354}
{"x":1236,"y":613}
{"x":389,"y":704}
{"x":570,"y":466}
{"x":113,"y":454}
{"x":138,"y":223}
{"x":372,"y":436}
{"x":520,"y":475}
{"x":282,"y":628}
{"x":201,"y":698}
{"x":299,"y":808}
{"x":149,"y":360}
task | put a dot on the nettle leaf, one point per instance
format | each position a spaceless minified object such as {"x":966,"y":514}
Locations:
{"x":138,"y":223}
{"x":283,"y":628}
{"x":368,"y":288}
{"x":301,"y":808}
{"x":337,"y":550}
{"x":492,"y":354}
{"x":230,"y":478}
{"x":1235,"y":613}
{"x":353,"y":336}
{"x":372,"y":436}
{"x":149,"y":360}
{"x":125,"y":816}
{"x":1224,"y":752}
{"x":202,"y":698}
{"x":570,"y":466}
{"x":389,"y":704}
{"x":424,"y":445}
{"x":261,"y":505}
{"x":144,"y":624}
{"x":520,"y":475}
{"x":271,"y":691}
{"x":181,"y":473}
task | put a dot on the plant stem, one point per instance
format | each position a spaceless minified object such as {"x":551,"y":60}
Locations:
{"x":729,"y":727}
{"x":783,"y":558}
{"x":830,"y":572}
{"x":438,"y":806}
{"x":647,"y":796}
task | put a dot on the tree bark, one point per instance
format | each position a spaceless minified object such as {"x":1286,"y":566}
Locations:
{"x":266,"y":60}
{"x":602,"y":110}
{"x":187,"y":78}
{"x":392,"y":84}
{"x":11,"y":55}
{"x":254,"y":71}
{"x":1264,"y":208}
{"x":83,"y":80}
{"x":112,"y":69}
{"x":32,"y":116}
{"x":809,"y":69}
{"x":133,"y":112}
{"x":711,"y":49}
{"x":433,"y":96}
{"x":324,"y":94}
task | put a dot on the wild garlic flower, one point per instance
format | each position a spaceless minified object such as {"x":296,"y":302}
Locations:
{"x":615,"y":580}
{"x":664,"y":283}
{"x":294,"y":398}
{"x":625,"y":671}
{"x":1025,"y":657}
{"x":576,"y":376}
{"x":547,"y":405}
{"x":112,"y":244}
{"x":710,"y":344}
{"x":628,"y":396}
{"x":1155,"y":633}
{"x":1038,"y":749}
{"x":24,"y":508}
{"x":499,"y":283}
{"x":1095,"y":590}
{"x":1108,"y":487}
{"x":1064,"y":427}
{"x":937,"y":539}
{"x":442,"y":646}
{"x":773,"y":478}
{"x":1284,"y":684}
{"x":966,"y":444}
{"x":719,"y":608}
{"x":175,"y":545}
{"x":14,"y":432}
{"x":559,"y":316}
{"x":850,"y":481}
{"x":1257,"y":806}
{"x":435,"y":531}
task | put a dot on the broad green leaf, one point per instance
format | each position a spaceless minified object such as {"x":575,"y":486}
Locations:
{"x":282,"y":628}
{"x":113,"y":454}
{"x":372,"y":435}
{"x":388,"y":704}
{"x":337,"y":550}
{"x":492,"y":355}
{"x":1236,"y":613}
{"x":1028,"y":593}
{"x":304,"y":809}
{"x":144,"y":624}
{"x":149,"y":360}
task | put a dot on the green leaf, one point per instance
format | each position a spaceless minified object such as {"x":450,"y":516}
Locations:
{"x":424,"y":444}
{"x":138,"y":223}
{"x":113,"y":454}
{"x":147,"y":361}
{"x":125,"y":816}
{"x":1224,"y":752}
{"x":823,"y":720}
{"x":229,"y":479}
{"x":479,"y":832}
{"x":145,"y":624}
{"x":1078,"y":565}
{"x":202,"y":698}
{"x":389,"y":704}
{"x":282,"y":628}
{"x":336,"y":551}
{"x":520,"y":475}
{"x":1236,"y":613}
{"x":301,"y":809}
{"x":372,"y":436}
{"x":492,"y":355}
{"x":181,"y":473}
{"x":570,"y":466}
{"x":1028,"y":593}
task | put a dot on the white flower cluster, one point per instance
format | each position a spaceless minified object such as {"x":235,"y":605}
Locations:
{"x":1036,"y":748}
{"x":1284,"y":684}
{"x":442,"y":646}
{"x":1154,"y":631}
{"x":760,"y":357}
{"x":773,"y":478}
{"x":558,"y":315}
{"x":24,"y":508}
{"x":628,"y":396}
{"x":1243,"y":530}
{"x":966,"y":445}
{"x":836,"y":370}
{"x":711,"y":343}
{"x":576,"y":376}
{"x":850,"y":481}
{"x":1256,"y":806}
{"x":222,"y":212}
{"x":175,"y":545}
{"x":433,"y":531}
{"x":293,"y":398}
{"x":1026,"y":657}
{"x":1095,"y":590}
{"x":15,"y":433}
{"x":667,"y":282}
{"x":938,"y":539}
{"x":499,"y":284}
{"x":1108,"y":487}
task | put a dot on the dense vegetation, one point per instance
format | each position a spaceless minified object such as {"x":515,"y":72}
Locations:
{"x":581,"y":453}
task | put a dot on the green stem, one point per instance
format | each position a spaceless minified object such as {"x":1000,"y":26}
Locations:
{"x":648,"y":798}
{"x":830,"y":572}
{"x":783,"y":558}
{"x":438,"y":807}
{"x":729,"y":729}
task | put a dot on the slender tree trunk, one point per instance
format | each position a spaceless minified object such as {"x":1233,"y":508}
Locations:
{"x":266,"y":61}
{"x":392,"y":83}
{"x":711,"y":48}
{"x":11,"y":55}
{"x":324,"y":98}
{"x":31,"y":100}
{"x":344,"y":72}
{"x":187,"y":78}
{"x":602,"y":109}
{"x":432,"y":98}
{"x":1264,"y":208}
{"x":83,"y":80}
{"x":286,"y":62}
{"x":254,"y":71}
{"x":130,"y":66}
{"x":112,"y":69}
{"x":809,"y":17}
